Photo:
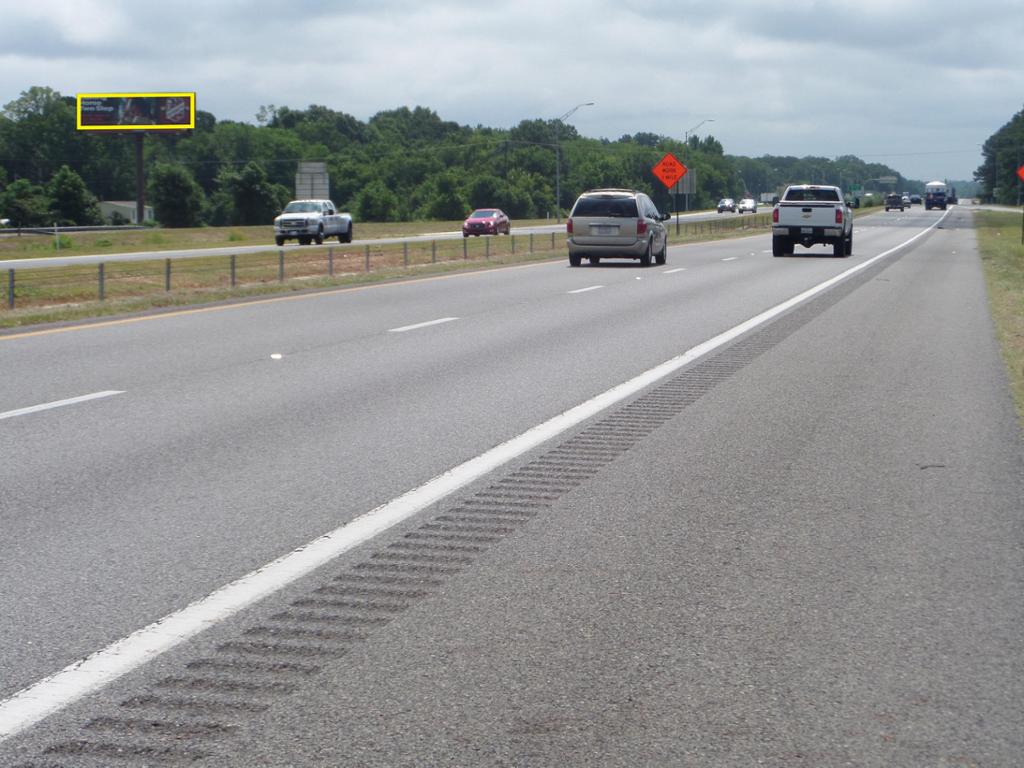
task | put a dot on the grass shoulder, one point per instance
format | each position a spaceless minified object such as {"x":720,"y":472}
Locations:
{"x":1002,"y":259}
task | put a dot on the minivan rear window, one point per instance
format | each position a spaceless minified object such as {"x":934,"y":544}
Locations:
{"x":613,"y":207}
{"x":812,"y":195}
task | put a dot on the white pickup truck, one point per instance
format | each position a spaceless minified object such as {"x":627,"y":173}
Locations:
{"x":810,"y":214}
{"x":311,"y":221}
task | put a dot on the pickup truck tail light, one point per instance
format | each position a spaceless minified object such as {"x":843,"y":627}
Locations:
{"x":641,"y":226}
{"x":568,"y":226}
{"x":839,"y":215}
{"x":775,"y":216}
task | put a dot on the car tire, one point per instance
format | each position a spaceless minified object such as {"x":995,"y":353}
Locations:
{"x":279,"y":240}
{"x":839,"y":248}
{"x":319,"y":236}
{"x":781,"y":247}
{"x":575,"y":260}
{"x":662,"y":256}
{"x":594,"y":260}
{"x":645,"y":258}
{"x":849,"y":244}
{"x":348,"y":235}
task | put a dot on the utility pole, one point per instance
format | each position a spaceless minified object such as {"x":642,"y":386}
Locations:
{"x":558,"y":160}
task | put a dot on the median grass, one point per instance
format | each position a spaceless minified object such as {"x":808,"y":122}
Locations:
{"x":1002,"y":258}
{"x":66,"y":294}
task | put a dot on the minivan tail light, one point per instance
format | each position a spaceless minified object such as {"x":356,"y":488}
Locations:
{"x":839,"y":215}
{"x":775,"y":216}
{"x":641,"y":226}
{"x":568,"y":226}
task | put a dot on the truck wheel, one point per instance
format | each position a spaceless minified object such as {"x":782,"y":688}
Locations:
{"x":319,"y":236}
{"x":781,"y":247}
{"x":279,"y":240}
{"x":575,"y":259}
{"x":849,"y":245}
{"x":347,"y":237}
{"x":839,"y":248}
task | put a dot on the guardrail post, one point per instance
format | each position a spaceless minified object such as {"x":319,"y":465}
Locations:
{"x":433,"y":251}
{"x":405,"y":252}
{"x":167,"y":275}
{"x":101,"y":281}
{"x":487,"y":248}
{"x":367,"y":258}
{"x":465,"y":249}
{"x":232,"y":263}
{"x":513,"y":245}
{"x":330,"y":262}
{"x":10,"y":289}
{"x":552,"y":241}
{"x":280,"y":266}
{"x":531,"y":242}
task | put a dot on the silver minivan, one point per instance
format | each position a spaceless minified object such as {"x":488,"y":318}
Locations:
{"x":616,"y":223}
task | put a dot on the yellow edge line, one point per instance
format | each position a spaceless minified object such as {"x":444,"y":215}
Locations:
{"x":242,"y":304}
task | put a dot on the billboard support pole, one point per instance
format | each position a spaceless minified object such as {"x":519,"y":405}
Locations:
{"x":140,"y":182}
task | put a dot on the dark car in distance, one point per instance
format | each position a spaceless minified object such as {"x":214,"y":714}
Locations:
{"x":486,"y":221}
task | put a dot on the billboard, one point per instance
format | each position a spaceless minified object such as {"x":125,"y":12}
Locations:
{"x":136,"y":111}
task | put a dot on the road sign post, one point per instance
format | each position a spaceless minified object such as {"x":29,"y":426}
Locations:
{"x":669,"y":171}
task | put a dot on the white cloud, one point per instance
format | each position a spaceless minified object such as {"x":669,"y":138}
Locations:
{"x":920,"y":82}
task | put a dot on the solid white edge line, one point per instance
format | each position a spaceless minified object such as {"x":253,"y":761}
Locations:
{"x":59,"y":403}
{"x":673,"y":271}
{"x":415,"y":326}
{"x":584,"y":290}
{"x":57,"y":691}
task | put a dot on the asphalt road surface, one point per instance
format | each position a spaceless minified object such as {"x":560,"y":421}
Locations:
{"x":795,"y":543}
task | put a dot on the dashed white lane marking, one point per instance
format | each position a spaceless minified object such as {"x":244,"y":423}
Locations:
{"x":584,"y":290}
{"x":673,"y":271}
{"x":53,"y":693}
{"x":59,"y":403}
{"x":414,"y":326}
{"x":730,"y":258}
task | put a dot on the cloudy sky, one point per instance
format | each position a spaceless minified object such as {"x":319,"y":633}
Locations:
{"x":916,"y":84}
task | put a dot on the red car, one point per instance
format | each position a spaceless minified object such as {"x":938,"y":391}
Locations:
{"x":486,"y":221}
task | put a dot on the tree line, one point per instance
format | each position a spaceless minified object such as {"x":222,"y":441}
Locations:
{"x":400,"y":165}
{"x":1003,"y":154}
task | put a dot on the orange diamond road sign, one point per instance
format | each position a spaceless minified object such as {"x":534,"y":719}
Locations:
{"x":1020,"y":172}
{"x":669,"y":170}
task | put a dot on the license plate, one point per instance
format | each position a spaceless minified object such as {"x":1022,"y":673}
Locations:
{"x":604,"y":230}
{"x":806,"y":230}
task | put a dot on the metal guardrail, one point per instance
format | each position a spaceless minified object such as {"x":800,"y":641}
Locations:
{"x":76,"y":228}
{"x":111,"y":279}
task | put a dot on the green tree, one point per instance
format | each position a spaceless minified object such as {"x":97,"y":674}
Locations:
{"x":177,"y":197}
{"x":254,"y":200}
{"x":375,"y":202}
{"x":26,"y":204}
{"x":70,"y":201}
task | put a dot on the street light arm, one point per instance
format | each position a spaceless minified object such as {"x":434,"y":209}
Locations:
{"x":571,"y":111}
{"x":686,"y":136}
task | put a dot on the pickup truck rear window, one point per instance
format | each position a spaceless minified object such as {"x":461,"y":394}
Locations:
{"x":615,"y":207}
{"x":812,"y":195}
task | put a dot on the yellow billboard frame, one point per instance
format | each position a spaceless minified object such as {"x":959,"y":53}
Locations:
{"x":191,"y":95}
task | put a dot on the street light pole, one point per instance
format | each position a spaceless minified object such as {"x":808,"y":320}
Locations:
{"x":558,"y":160}
{"x":686,"y":145}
